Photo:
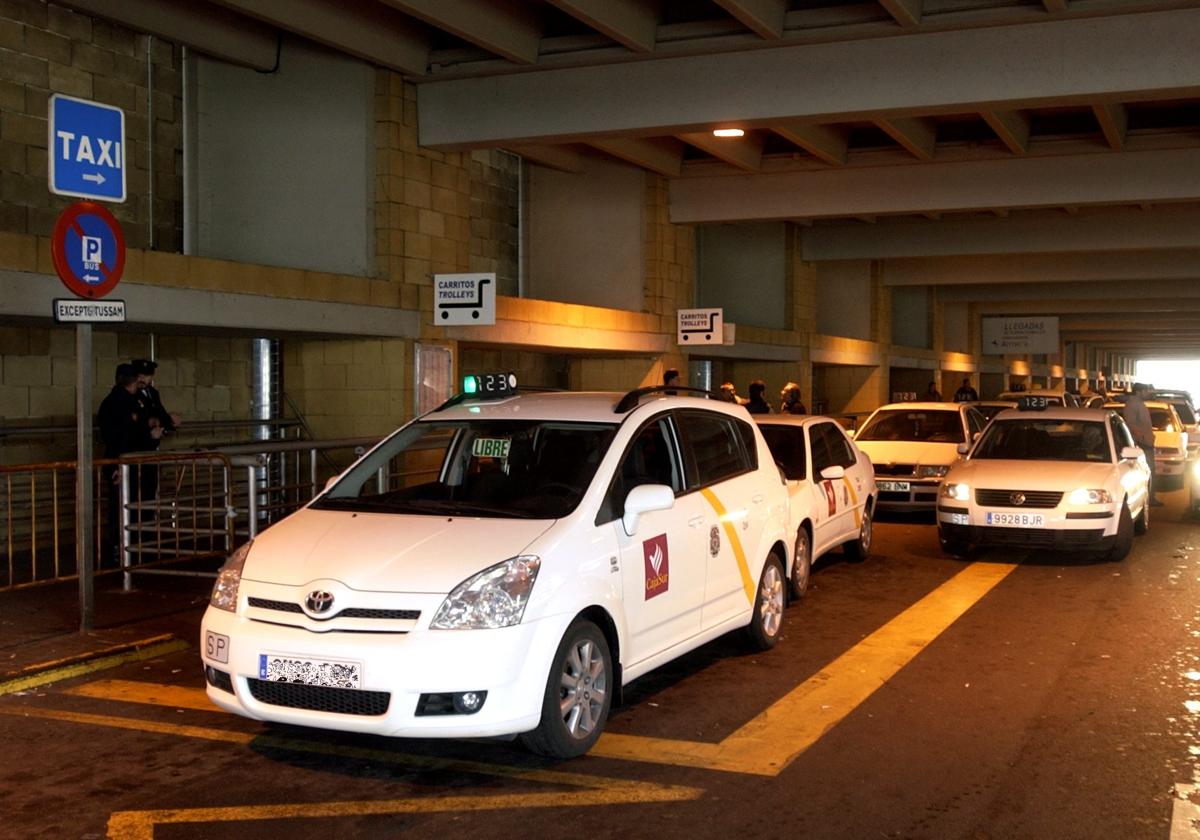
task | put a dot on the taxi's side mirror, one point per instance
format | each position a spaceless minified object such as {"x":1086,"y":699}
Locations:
{"x":963,"y":448}
{"x":833,"y":473}
{"x":644,"y":499}
{"x":850,"y":433}
{"x":1130,"y":453}
{"x":332,"y":480}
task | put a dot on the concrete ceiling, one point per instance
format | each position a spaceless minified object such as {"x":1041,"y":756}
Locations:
{"x":988,"y":147}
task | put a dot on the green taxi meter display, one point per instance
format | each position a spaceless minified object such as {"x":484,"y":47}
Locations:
{"x":490,"y":384}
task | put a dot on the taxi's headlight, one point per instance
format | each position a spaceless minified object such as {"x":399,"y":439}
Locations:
{"x":1087,"y":496}
{"x":225,"y":590}
{"x":933,"y":471}
{"x":496,"y":597}
{"x":958,"y":492}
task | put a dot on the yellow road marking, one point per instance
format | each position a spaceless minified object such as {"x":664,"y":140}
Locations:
{"x":775,"y":738}
{"x":147,"y":649}
{"x":155,"y":694}
{"x":731,"y":533}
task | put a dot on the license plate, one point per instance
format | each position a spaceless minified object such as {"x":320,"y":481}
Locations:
{"x":309,"y":671}
{"x":216,"y":646}
{"x":1017,"y":520}
{"x":893,"y":486}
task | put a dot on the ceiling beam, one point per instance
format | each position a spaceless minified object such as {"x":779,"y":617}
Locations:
{"x":1012,"y":127}
{"x":1114,"y":120}
{"x":631,"y":23}
{"x":742,"y":152}
{"x":1016,"y":182}
{"x":827,"y":143}
{"x":202,"y":27}
{"x":906,"y":12}
{"x":662,"y":155}
{"x":561,"y":158}
{"x":763,"y":17}
{"x":1002,"y":269}
{"x":503,"y":27}
{"x":1021,"y":233}
{"x":1064,"y":61}
{"x":368,"y":30}
{"x":916,"y":134}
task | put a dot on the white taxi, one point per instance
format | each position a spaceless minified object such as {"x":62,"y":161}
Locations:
{"x":1059,"y":478}
{"x":504,"y":564}
{"x":912,"y":446}
{"x":832,"y":488}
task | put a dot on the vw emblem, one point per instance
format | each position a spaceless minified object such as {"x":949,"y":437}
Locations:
{"x":1017,"y":498}
{"x":319,"y":602}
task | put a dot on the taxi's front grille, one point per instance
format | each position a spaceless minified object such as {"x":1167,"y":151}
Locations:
{"x":894,"y":469}
{"x":315,"y":698}
{"x":349,"y":612}
{"x":1004,"y":498}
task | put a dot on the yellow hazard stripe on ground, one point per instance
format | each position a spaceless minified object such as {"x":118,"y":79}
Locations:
{"x":775,"y":738}
{"x":46,"y":673}
{"x":734,"y":540}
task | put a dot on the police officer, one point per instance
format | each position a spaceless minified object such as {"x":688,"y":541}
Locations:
{"x":124,"y":428}
{"x":1137,"y":418}
{"x":157,"y":419}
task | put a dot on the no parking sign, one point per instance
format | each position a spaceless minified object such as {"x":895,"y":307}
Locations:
{"x":88,"y":248}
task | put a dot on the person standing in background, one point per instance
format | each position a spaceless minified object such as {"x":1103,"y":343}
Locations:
{"x":670,"y":379}
{"x":124,"y":428}
{"x":966,"y":393}
{"x":790,"y":402}
{"x":757,"y":403}
{"x":1137,"y":418}
{"x":932,"y":394}
{"x":158,"y":419}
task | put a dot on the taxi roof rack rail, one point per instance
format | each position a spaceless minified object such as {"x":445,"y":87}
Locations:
{"x":632,"y":398}
{"x":463,"y":396}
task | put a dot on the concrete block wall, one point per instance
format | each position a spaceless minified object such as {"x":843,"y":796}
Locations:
{"x":349,"y":388}
{"x":848,"y":389}
{"x":46,"y":49}
{"x":495,"y":217}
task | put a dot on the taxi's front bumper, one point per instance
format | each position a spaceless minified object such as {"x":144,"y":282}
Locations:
{"x":1093,"y":527}
{"x":407,"y":679}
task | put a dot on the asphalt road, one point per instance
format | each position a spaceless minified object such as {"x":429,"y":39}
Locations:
{"x":1062,"y":703}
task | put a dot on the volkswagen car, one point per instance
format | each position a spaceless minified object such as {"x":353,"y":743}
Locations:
{"x":503,"y":565}
{"x":1051,"y":478}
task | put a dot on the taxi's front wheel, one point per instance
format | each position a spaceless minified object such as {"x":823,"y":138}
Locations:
{"x":767,"y":620}
{"x":578,"y":694}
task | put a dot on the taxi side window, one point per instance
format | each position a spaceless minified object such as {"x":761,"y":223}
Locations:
{"x":1121,"y":435}
{"x":751,"y":445}
{"x":839,"y":447}
{"x":975,"y":422}
{"x":713,"y":448}
{"x":649,"y":459}
{"x":822,"y":455}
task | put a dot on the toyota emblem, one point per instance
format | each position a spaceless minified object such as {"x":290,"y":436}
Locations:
{"x":319,"y":602}
{"x":1017,"y":498}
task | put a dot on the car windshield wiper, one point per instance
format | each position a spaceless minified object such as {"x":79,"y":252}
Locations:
{"x":450,"y":506}
{"x":350,"y":502}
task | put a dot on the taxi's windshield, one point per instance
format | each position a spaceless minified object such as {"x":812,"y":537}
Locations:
{"x":1186,"y":415}
{"x":523,"y":469}
{"x":1162,"y":420}
{"x":924,"y":425}
{"x":1034,"y":439}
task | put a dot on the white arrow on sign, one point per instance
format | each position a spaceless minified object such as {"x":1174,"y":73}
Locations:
{"x":96,"y":178}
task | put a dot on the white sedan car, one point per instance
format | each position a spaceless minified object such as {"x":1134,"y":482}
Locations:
{"x":1058,"y":478}
{"x":832,"y":488}
{"x":912,"y":446}
{"x":503,"y":565}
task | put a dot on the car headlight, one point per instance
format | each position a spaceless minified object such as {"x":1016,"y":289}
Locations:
{"x":225,"y":590}
{"x":933,"y":471}
{"x":1087,"y":496}
{"x":496,"y":597}
{"x":959,"y":492}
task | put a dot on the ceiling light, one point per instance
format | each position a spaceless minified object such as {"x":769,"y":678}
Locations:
{"x":728,"y":132}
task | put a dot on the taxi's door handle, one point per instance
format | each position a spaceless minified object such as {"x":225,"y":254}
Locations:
{"x":758,"y":499}
{"x":696,"y":521}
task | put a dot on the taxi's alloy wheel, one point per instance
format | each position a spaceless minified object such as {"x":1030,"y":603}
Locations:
{"x":858,"y":549}
{"x":578,"y":694}
{"x":802,"y":564}
{"x":767,"y":619}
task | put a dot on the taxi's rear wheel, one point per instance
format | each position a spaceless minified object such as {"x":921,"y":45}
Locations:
{"x":1142,"y":524}
{"x":802,"y":564}
{"x":578,"y":694}
{"x":858,"y":549}
{"x":1124,"y":542}
{"x":767,"y":619}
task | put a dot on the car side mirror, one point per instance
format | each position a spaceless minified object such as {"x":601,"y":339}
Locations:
{"x":850,"y":433}
{"x":1131,"y":453}
{"x":963,"y":448}
{"x":332,"y":480}
{"x":644,"y":499}
{"x":833,"y":473}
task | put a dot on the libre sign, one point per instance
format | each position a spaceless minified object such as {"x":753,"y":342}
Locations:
{"x":1029,"y":334}
{"x":87,"y":149}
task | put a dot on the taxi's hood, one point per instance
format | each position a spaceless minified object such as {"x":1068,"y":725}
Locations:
{"x":381,"y":552}
{"x":1170,"y":440}
{"x":1062,"y":476}
{"x":908,"y":452}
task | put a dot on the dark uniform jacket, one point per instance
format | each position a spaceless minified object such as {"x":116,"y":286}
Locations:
{"x":152,"y":403}
{"x":123,"y":425}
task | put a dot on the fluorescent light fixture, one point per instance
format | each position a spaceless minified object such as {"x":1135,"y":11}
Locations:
{"x":728,"y":132}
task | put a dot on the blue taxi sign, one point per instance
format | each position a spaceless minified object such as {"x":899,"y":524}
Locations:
{"x":87,"y":149}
